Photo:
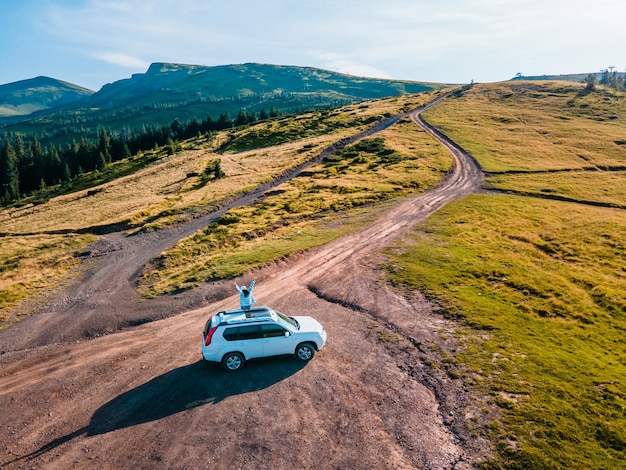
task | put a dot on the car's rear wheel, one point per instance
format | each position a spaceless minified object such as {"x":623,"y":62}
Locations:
{"x":232,"y":362}
{"x":305,"y":352}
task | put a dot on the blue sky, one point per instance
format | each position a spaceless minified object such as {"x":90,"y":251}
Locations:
{"x":94,"y":42}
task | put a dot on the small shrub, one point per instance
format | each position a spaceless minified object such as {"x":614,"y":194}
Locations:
{"x":213,"y":170}
{"x":228,"y":219}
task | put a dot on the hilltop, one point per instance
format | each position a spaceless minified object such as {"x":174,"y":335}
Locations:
{"x":26,"y":97}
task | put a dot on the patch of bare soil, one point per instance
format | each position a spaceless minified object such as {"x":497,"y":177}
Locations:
{"x":101,"y":379}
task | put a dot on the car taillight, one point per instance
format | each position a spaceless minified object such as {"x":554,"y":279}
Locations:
{"x":209,"y":335}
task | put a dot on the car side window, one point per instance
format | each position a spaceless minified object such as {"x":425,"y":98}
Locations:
{"x":272,"y":331}
{"x":242,"y":332}
{"x":231,"y":334}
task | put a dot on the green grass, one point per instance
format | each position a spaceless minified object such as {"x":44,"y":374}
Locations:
{"x":279,"y":131}
{"x":539,"y":284}
{"x":544,"y":282}
{"x":342,"y":189}
{"x":594,"y":187}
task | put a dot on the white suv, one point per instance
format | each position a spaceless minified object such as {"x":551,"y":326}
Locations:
{"x":231,"y":337}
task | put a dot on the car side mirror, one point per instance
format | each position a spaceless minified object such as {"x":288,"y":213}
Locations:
{"x":287,"y":334}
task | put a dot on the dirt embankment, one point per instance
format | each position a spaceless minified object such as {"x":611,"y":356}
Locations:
{"x":100,"y":379}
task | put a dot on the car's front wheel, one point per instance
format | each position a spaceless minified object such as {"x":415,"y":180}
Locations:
{"x":232,"y":362}
{"x":305,"y":351}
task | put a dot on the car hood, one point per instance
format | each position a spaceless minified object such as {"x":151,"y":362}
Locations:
{"x":309,"y":324}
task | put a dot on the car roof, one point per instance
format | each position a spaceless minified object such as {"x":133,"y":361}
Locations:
{"x":229,"y":317}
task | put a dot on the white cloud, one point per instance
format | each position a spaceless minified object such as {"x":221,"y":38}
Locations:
{"x":343,"y":64}
{"x":124,"y":60}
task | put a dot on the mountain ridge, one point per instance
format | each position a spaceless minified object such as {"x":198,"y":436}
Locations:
{"x":161,"y":74}
{"x":170,"y":91}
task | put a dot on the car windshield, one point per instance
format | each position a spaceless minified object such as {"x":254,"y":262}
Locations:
{"x":292,"y":321}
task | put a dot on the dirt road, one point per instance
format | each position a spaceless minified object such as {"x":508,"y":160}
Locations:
{"x":94,"y":381}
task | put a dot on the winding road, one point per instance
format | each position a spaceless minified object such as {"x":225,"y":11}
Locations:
{"x":101,"y":379}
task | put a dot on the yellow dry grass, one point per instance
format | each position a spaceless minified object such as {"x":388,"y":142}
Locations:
{"x":32,"y":264}
{"x":164,"y":186}
{"x":536,"y":126}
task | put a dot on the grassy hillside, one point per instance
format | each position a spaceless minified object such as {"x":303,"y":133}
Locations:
{"x":539,"y":278}
{"x":165,"y":83}
{"x":328,"y":200}
{"x":174,"y":91}
{"x":155,"y":188}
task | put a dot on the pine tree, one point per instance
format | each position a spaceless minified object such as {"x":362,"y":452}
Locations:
{"x":224,"y":121}
{"x":126,"y":151}
{"x":217,"y":169}
{"x":213,"y":170}
{"x":39,"y":165}
{"x":25,"y":165}
{"x":101,"y":162}
{"x":87,"y":155}
{"x":9,"y":174}
{"x":176,"y":129}
{"x":171,"y":147}
{"x":192,"y":128}
{"x":19,"y":148}
{"x":67,"y":173}
{"x":104,"y":147}
{"x":241,"y":118}
{"x":54,"y":166}
{"x":591,"y":81}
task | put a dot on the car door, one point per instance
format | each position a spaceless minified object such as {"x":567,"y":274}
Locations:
{"x":275,"y":340}
{"x":246,"y":339}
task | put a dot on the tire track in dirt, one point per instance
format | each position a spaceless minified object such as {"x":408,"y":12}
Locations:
{"x":464,"y":178}
{"x":140,"y":398}
{"x":105,"y":300}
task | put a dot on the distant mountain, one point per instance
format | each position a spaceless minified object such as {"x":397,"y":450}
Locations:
{"x":173,"y":91}
{"x":25,"y":97}
{"x":173,"y":82}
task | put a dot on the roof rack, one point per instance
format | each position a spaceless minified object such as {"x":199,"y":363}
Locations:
{"x":263,"y":313}
{"x":239,"y":316}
